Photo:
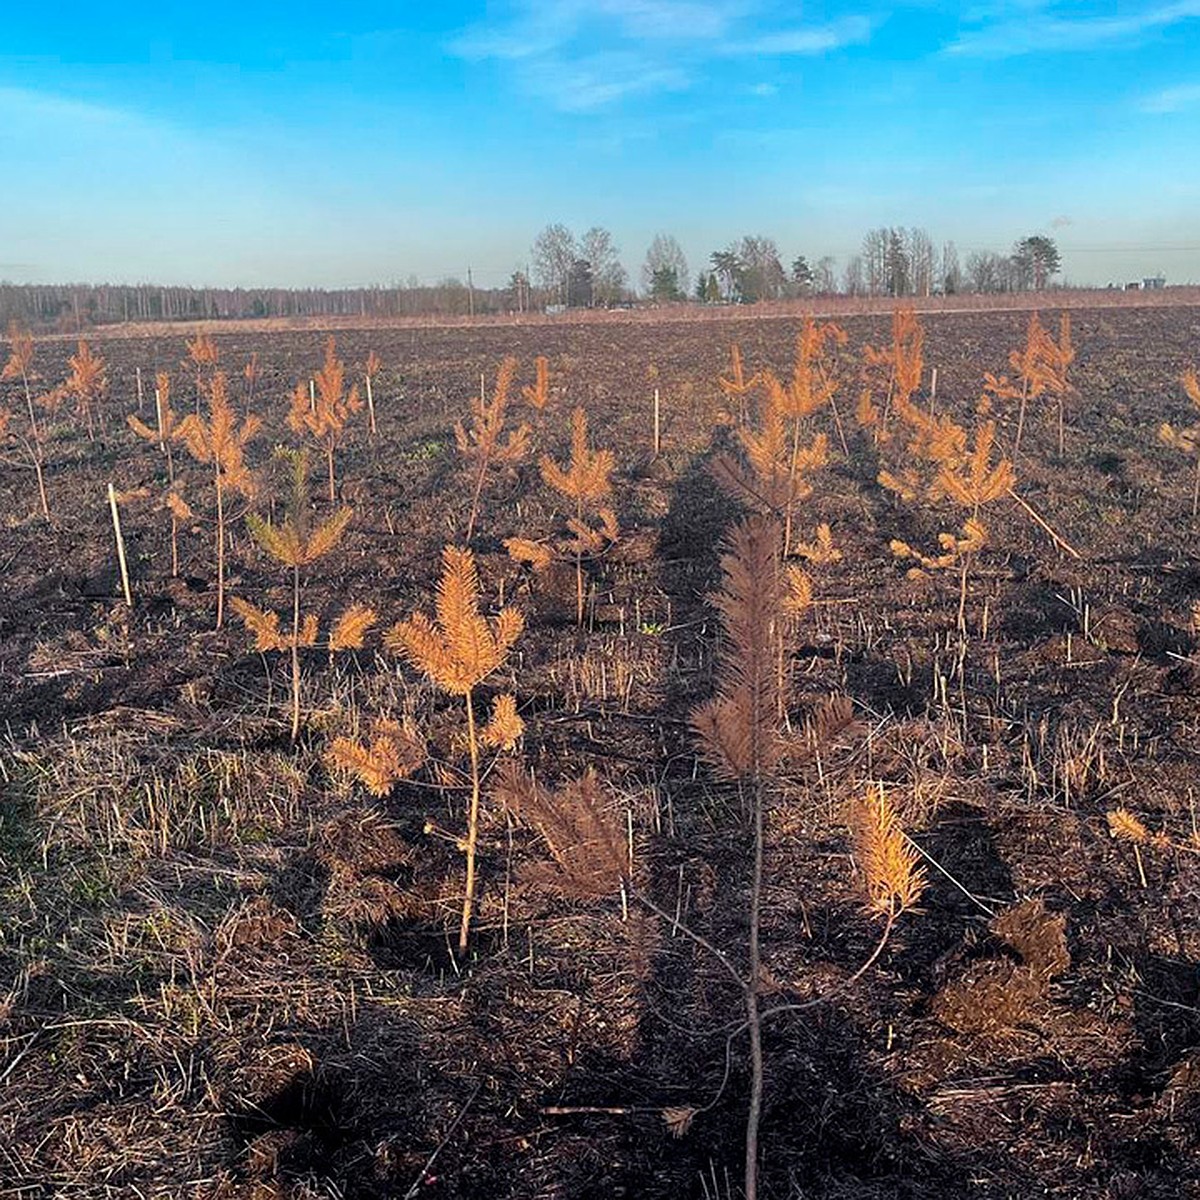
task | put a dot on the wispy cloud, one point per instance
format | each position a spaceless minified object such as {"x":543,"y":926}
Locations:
{"x":1037,"y":28}
{"x":23,"y":108}
{"x":1172,"y":99}
{"x":599,"y":80}
{"x":585,"y":55}
{"x":816,"y":39}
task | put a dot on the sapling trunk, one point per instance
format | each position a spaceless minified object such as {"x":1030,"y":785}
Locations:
{"x":753,"y":1016}
{"x":578,"y":569}
{"x":787,"y":516}
{"x":483,"y":466}
{"x":36,"y":446}
{"x":295,"y":652}
{"x":1021,"y":417}
{"x":220,"y":552}
{"x":472,"y":830}
{"x":962,"y":596}
{"x":837,"y":424}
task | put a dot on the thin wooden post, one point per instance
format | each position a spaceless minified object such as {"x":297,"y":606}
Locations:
{"x":657,"y":424}
{"x":141,"y":396}
{"x":116,"y":520}
{"x":370,"y":407}
{"x":162,"y":443}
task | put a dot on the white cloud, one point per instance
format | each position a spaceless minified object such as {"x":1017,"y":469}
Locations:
{"x":599,"y":80}
{"x":1172,"y":99}
{"x":1040,"y":29}
{"x":585,"y":55}
{"x":816,"y":39}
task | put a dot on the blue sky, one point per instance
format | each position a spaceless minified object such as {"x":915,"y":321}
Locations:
{"x":300,"y":144}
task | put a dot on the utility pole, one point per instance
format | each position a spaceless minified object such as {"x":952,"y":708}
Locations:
{"x":470,"y":294}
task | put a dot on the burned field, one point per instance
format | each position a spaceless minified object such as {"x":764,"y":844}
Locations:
{"x":231,"y":964}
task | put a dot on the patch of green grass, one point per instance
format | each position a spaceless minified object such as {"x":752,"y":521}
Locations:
{"x":425,"y":450}
{"x":18,"y":835}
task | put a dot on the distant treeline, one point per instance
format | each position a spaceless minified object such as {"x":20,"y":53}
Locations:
{"x":68,"y":307}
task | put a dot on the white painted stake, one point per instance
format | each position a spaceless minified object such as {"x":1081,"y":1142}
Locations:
{"x":162,"y":445}
{"x":116,"y":520}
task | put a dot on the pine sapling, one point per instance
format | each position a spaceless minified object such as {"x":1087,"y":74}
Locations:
{"x":202,"y":356}
{"x":251,"y":372}
{"x":485,"y":445}
{"x":970,"y":480}
{"x":774,"y":475}
{"x":393,"y":751}
{"x":325,"y":411}
{"x":737,"y":385}
{"x":370,"y":371}
{"x":166,"y":423}
{"x":19,"y":366}
{"x":87,"y":383}
{"x":219,"y":443}
{"x":814,"y":384}
{"x":585,"y":480}
{"x":457,"y":651}
{"x":297,"y":543}
{"x":896,"y":369}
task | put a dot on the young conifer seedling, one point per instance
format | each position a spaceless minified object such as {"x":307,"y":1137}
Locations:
{"x":585,"y":481}
{"x":776,"y":466}
{"x":325,"y":414}
{"x":457,"y":651}
{"x":485,"y":445}
{"x":202,"y":356}
{"x":373,"y":366}
{"x":164,"y":435}
{"x":392,"y":752}
{"x":737,"y":385}
{"x":251,"y":372}
{"x":219,"y":443}
{"x":19,"y":366}
{"x":895,"y":369}
{"x":1041,"y":366}
{"x":87,"y":383}
{"x":813,"y":385}
{"x":298,"y":543}
{"x":970,"y":480}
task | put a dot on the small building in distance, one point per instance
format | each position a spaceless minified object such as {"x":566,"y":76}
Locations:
{"x":1154,"y":283}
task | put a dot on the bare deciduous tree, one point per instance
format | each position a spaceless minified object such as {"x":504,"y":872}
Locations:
{"x":554,"y":253}
{"x":665,"y":254}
